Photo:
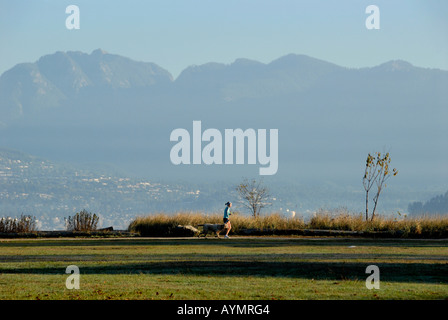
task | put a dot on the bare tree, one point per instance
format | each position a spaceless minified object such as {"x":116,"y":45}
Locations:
{"x":254,"y":196}
{"x":376,"y":172}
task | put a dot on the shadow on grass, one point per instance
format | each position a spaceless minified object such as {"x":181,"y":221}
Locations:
{"x":398,"y":272}
{"x":235,"y":242}
{"x":152,"y":257}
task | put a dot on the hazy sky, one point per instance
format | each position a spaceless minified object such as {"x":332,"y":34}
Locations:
{"x":177,"y":33}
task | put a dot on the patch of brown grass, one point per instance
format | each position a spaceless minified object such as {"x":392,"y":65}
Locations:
{"x":432,"y":226}
{"x":162,"y":224}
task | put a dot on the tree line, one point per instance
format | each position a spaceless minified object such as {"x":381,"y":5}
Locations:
{"x":435,"y":205}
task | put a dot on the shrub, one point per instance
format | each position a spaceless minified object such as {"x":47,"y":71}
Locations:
{"x":25,"y":223}
{"x":82,"y":221}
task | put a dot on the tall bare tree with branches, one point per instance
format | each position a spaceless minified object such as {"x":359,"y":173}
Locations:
{"x":253,"y":195}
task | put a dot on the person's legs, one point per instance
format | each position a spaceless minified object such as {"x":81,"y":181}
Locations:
{"x":229,"y":226}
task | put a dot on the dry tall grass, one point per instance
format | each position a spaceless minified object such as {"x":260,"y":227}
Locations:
{"x":162,"y":224}
{"x":165,"y":224}
{"x":430,"y":225}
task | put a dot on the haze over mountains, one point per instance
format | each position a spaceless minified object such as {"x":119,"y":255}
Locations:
{"x":52,"y":191}
{"x":104,"y":108}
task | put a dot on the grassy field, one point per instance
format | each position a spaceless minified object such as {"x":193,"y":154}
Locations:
{"x":238,"y":268}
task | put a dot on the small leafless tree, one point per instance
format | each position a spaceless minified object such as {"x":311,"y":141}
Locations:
{"x":377,"y":172}
{"x":253,"y":195}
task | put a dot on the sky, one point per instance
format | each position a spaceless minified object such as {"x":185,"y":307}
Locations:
{"x":176,"y":34}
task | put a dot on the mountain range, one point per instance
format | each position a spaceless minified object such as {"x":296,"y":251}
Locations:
{"x":109,"y":110}
{"x":60,"y":79}
{"x":50,"y":82}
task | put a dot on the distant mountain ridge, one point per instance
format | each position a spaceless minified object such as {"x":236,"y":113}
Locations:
{"x":72,"y":106}
{"x":55,"y":78}
{"x":29,"y":88}
{"x":251,"y":79}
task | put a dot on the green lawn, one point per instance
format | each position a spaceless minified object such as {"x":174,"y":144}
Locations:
{"x":238,"y":268}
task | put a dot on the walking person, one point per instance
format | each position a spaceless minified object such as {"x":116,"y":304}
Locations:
{"x":226,"y":219}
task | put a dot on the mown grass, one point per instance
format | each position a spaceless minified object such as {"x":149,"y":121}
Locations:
{"x":244,"y":268}
{"x":426,"y":226}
